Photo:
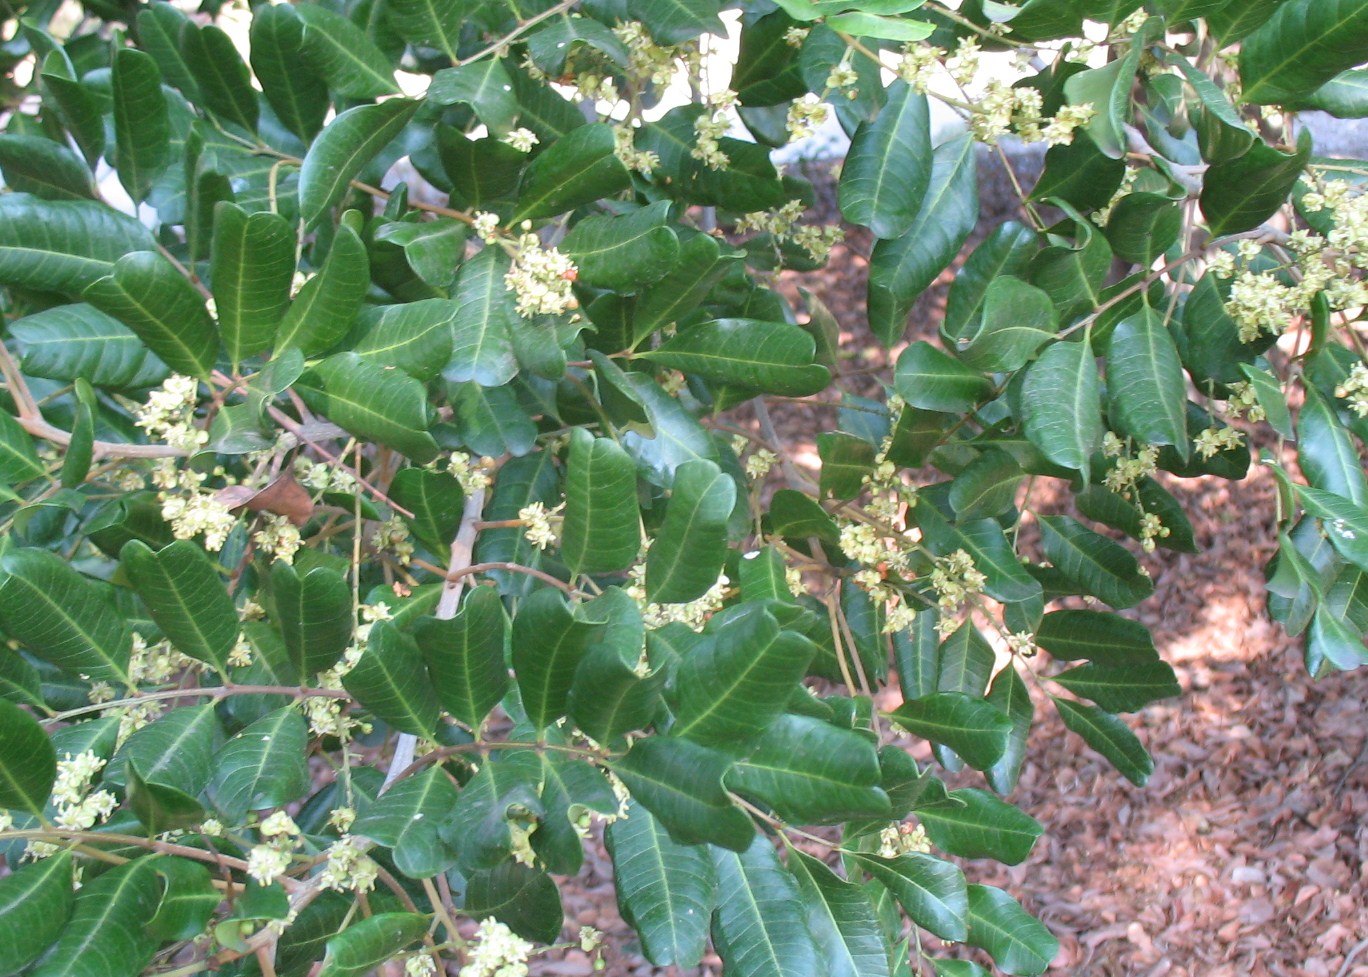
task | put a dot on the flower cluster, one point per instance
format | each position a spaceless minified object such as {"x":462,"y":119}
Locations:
{"x":322,"y":477}
{"x":1354,"y":389}
{"x":918,"y":65}
{"x":77,"y":808}
{"x":783,"y":224}
{"x":473,"y":475}
{"x":1129,"y":469}
{"x":901,"y":839}
{"x":349,"y":868}
{"x":642,"y":161}
{"x":269,"y":860}
{"x":954,"y":579}
{"x":693,"y":614}
{"x":651,"y":62}
{"x":392,"y":535}
{"x":805,"y":116}
{"x":496,"y":952}
{"x":169,"y":414}
{"x":279,"y":538}
{"x":710,"y":127}
{"x":521,"y":139}
{"x":540,"y":524}
{"x":486,"y":226}
{"x":1244,"y":402}
{"x":1214,"y":440}
{"x":541,"y":279}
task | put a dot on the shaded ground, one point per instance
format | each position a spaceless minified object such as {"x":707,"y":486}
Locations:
{"x":1246,"y":853}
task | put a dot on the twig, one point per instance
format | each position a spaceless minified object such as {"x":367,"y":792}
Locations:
{"x":1349,"y":959}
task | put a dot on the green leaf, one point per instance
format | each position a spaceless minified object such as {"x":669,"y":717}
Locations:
{"x":44,"y":168}
{"x":548,"y":644}
{"x":523,"y":899}
{"x":483,"y":346}
{"x":326,"y":306}
{"x":1017,"y":942}
{"x":810,"y":772}
{"x":507,"y":789}
{"x":436,"y":501}
{"x":314,"y":612}
{"x":900,"y":270}
{"x":570,"y":788}
{"x":416,"y":337}
{"x":846,"y":461}
{"x":1009,"y":695}
{"x":1270,"y":397}
{"x":1304,"y":45}
{"x":28,"y":764}
{"x":680,"y":783}
{"x":1143,"y":226}
{"x":493,"y":422}
{"x":1346,"y":523}
{"x":969,"y":726}
{"x":602,"y":529}
{"x":675,"y":21}
{"x":1073,"y":268}
{"x":62,"y":618}
{"x":78,"y":340}
{"x":181,"y":589}
{"x":225,"y":83}
{"x":465,"y":656}
{"x":159,"y":26}
{"x":1240,"y":194}
{"x":1007,"y":251}
{"x":19,"y":462}
{"x":886,"y":28}
{"x":405,"y":819}
{"x":972,"y":823}
{"x":1017,"y":320}
{"x":1100,"y":636}
{"x":147,"y":294}
{"x":80,"y":450}
{"x":930,"y":890}
{"x":433,"y":249}
{"x":177,"y":750}
{"x":1108,"y":90}
{"x":739,"y":677}
{"x":430,"y":22}
{"x":142,"y":129}
{"x":161,"y":808}
{"x":365,"y":944}
{"x":483,"y":85}
{"x":341,"y":150}
{"x":1080,"y":174}
{"x":624,"y":253}
{"x":700,"y":266}
{"x":1345,"y":96}
{"x":966,"y":662}
{"x":760,"y":927}
{"x":1125,"y":689}
{"x":293,"y":87}
{"x":188,"y":899}
{"x":1059,"y":404}
{"x":79,"y":243}
{"x":578,"y":168}
{"x":1332,"y":639}
{"x":773,"y":357}
{"x":1109,"y":736}
{"x":687,"y":554}
{"x":841,"y":919}
{"x":930,"y":379}
{"x":665,"y":890}
{"x":263,"y":766}
{"x":1326,"y":452}
{"x":1146,"y":389}
{"x":105,"y":936}
{"x":253,"y":266}
{"x":372,"y":403}
{"x":35,"y":902}
{"x":344,"y":55}
{"x":887,"y":169}
{"x":1100,"y":566}
{"x":391,"y":681}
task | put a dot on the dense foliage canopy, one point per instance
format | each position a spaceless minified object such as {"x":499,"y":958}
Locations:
{"x":391,"y":500}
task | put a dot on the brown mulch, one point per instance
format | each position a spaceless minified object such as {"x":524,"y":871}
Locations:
{"x":1247,"y":852}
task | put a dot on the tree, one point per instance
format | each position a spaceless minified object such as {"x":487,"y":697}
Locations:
{"x":370,"y":539}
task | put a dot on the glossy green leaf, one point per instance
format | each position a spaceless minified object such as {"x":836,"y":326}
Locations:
{"x":700,"y":266}
{"x":1143,"y":226}
{"x":436,"y":501}
{"x":1017,"y":319}
{"x":1108,"y":90}
{"x":1080,"y":174}
{"x":158,"y":807}
{"x":465,"y":656}
{"x":340,"y":152}
{"x":1332,"y":639}
{"x":62,"y":618}
{"x":262,"y":767}
{"x":44,"y":168}
{"x":105,"y":935}
{"x":931,"y":891}
{"x":142,"y":131}
{"x":680,"y":783}
{"x":1240,"y":194}
{"x":673,"y":21}
{"x":578,"y":168}
{"x":483,"y":85}
{"x":841,"y":919}
{"x":225,"y":83}
{"x":314,"y":612}
{"x":602,"y":527}
{"x":391,"y":681}
{"x":293,"y":86}
{"x":1110,"y":737}
{"x":739,"y":677}
{"x":928,"y":378}
{"x":35,"y":903}
{"x":429,"y":22}
{"x":972,"y":823}
{"x":506,"y":790}
{"x":1146,"y":390}
{"x":372,"y":403}
{"x":665,"y":890}
{"x":969,"y":726}
{"x":624,"y":253}
{"x":1304,"y":45}
{"x":524,"y":899}
{"x":63,"y":245}
{"x":416,"y":337}
{"x":1009,"y":695}
{"x":176,"y":750}
{"x":327,"y":304}
{"x":1346,"y":522}
{"x":548,"y":644}
{"x":887,"y":28}
{"x":1271,"y":398}
{"x":887,"y":170}
{"x":901,"y":269}
{"x":433,"y":249}
{"x":966,"y":662}
{"x":1100,"y":566}
{"x":19,"y":462}
{"x":688,"y":551}
{"x":344,"y":55}
{"x":810,"y":772}
{"x":78,"y":340}
{"x":28,"y":764}
{"x":1326,"y":453}
{"x":1121,"y":689}
{"x":773,"y":357}
{"x":181,"y":589}
{"x":1007,"y":251}
{"x":1017,"y":942}
{"x":483,"y":347}
{"x":147,"y":294}
{"x":493,"y":422}
{"x":1059,"y":403}
{"x":253,"y":265}
{"x":367,"y":943}
{"x":188,"y":899}
{"x":846,"y":461}
{"x":1345,"y":96}
{"x":1108,"y":639}
{"x":760,"y":928}
{"x":405,"y":819}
